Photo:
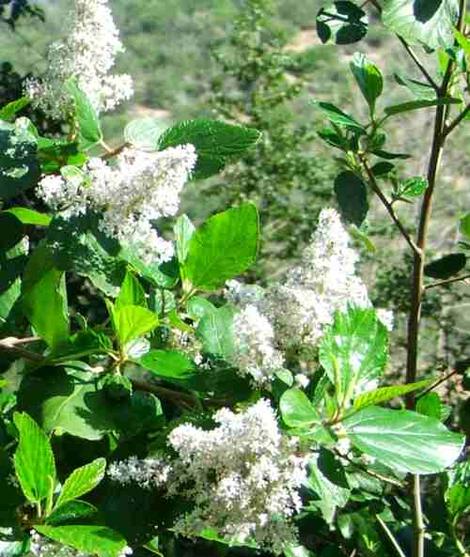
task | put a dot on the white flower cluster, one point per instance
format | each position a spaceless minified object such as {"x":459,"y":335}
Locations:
{"x":255,"y":354}
{"x":322,"y":284}
{"x":243,"y":477}
{"x":139,"y":188}
{"x":86,"y":54}
{"x":150,"y":472}
{"x":44,"y":547}
{"x":294,"y":313}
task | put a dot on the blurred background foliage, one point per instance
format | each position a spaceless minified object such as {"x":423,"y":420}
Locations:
{"x":259,"y":62}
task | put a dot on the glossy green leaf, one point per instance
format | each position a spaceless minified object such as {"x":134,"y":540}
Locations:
{"x":44,"y":287}
{"x":215,"y":332}
{"x":184,"y":230}
{"x":131,"y":292}
{"x":78,"y":245}
{"x":93,"y":540}
{"x":353,"y":351}
{"x":30,"y":216}
{"x":72,"y":510}
{"x":72,"y":401}
{"x":457,"y":495}
{"x":297,"y":410}
{"x":403,"y":440}
{"x":427,"y":22}
{"x":10,"y":110}
{"x":351,"y":194}
{"x":89,"y":128}
{"x":418,"y":104}
{"x":171,"y":365}
{"x":341,"y":22}
{"x":368,"y":77}
{"x":223,"y":247}
{"x":132,"y":322}
{"x":429,"y":405}
{"x":384,"y":394}
{"x":465,"y":225}
{"x":81,"y":481}
{"x":419,"y":89}
{"x":413,"y":187}
{"x":216,"y":143}
{"x":446,"y":267}
{"x":33,"y":460}
{"x":338,"y":117}
{"x":328,"y":480}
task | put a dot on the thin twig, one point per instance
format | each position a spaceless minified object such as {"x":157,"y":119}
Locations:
{"x":112,"y":152}
{"x":13,"y":344}
{"x":450,"y":128}
{"x":371,"y":473}
{"x":390,"y":536}
{"x":178,"y":397}
{"x":391,"y":211}
{"x":437,"y":383}
{"x":447,"y":281}
{"x":419,"y":64}
{"x":411,"y":53}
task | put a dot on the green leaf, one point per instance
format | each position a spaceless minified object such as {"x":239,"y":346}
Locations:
{"x":78,"y":245}
{"x":72,"y":510}
{"x":88,"y":122}
{"x":297,"y":410}
{"x":13,"y":259}
{"x":389,"y":156}
{"x":73,"y":402}
{"x":341,"y":22}
{"x":132,"y":322}
{"x":353,"y":351}
{"x":384,"y":394}
{"x":418,"y":104}
{"x":215,"y":332}
{"x":10,"y":110}
{"x":420,"y":89}
{"x":184,"y":230}
{"x":328,"y":480}
{"x":131,"y":292}
{"x":338,"y":117}
{"x":82,"y":480}
{"x":429,"y":405}
{"x":44,"y":287}
{"x":427,"y":22}
{"x":170,"y":365}
{"x":34,"y":460}
{"x":351,"y":194}
{"x":94,"y":540}
{"x":446,"y":266}
{"x":144,"y":133}
{"x":382,"y":168}
{"x":223,"y":247}
{"x":403,"y":440}
{"x":216,"y":143}
{"x":465,"y":225}
{"x":413,"y":187}
{"x":19,"y":168}
{"x":457,"y":495}
{"x":368,"y":77}
{"x":29,"y":216}
{"x":198,"y":306}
